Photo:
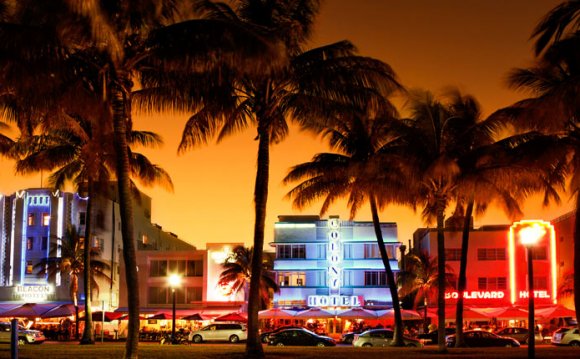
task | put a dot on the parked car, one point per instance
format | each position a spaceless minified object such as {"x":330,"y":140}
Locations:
{"x":231,"y":332}
{"x":25,"y":336}
{"x":566,"y":336}
{"x":521,"y":334}
{"x":264,"y":336}
{"x":433,"y":336}
{"x":299,"y":337}
{"x":348,"y":338}
{"x":481,"y":338}
{"x":381,"y":338}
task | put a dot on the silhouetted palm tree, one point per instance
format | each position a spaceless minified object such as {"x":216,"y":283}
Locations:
{"x":420,"y":279}
{"x":82,"y":152}
{"x":369,"y":166}
{"x":304,"y":89}
{"x":558,"y":23}
{"x":67,"y":258}
{"x":237,"y":275}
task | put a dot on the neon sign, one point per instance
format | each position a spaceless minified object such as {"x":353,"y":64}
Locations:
{"x":334,"y":255}
{"x":33,"y":293}
{"x":548,"y":229}
{"x":335,"y":301}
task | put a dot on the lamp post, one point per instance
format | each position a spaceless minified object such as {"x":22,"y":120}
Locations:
{"x":530,"y":235}
{"x":174,"y":282}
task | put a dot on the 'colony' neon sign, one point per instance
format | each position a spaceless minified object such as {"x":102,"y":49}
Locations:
{"x":334,"y":256}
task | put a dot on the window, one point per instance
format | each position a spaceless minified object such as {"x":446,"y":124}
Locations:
{"x":46,"y":219}
{"x":492,"y":283}
{"x":98,"y":243}
{"x":30,"y":243}
{"x":144,"y":239}
{"x":31,"y":219}
{"x":372,"y":250}
{"x":157,"y":295}
{"x":491,"y":254}
{"x":100,"y":219}
{"x":539,"y":253}
{"x":177,"y":266}
{"x":44,"y":244}
{"x":452,"y":254}
{"x":375,"y":278}
{"x":194,"y":294}
{"x":82,"y":218}
{"x":347,"y":251}
{"x":29,"y":267}
{"x":194,"y":268}
{"x":158,"y":268}
{"x":291,"y":279}
{"x":347,"y":278}
{"x":321,"y":251}
{"x":291,"y":251}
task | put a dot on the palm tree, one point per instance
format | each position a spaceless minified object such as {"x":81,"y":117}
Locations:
{"x":303,"y":89}
{"x":420,"y":280}
{"x":369,"y":166}
{"x":554,"y":107}
{"x":237,"y":275}
{"x":67,"y":257}
{"x":6,"y":142}
{"x":119,"y":41}
{"x":82,"y":152}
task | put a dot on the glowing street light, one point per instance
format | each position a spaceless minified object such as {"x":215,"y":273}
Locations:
{"x":530,"y":235}
{"x":174,"y":282}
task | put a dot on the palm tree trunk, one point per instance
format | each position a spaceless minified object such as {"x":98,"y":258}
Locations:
{"x":440,"y":208}
{"x":577,"y":260}
{"x":121,"y":112}
{"x":398,"y":335}
{"x":88,"y":335}
{"x":461,"y":282}
{"x":254,"y":345}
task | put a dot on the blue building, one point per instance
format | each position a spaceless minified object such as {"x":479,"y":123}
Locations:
{"x":331,"y":263}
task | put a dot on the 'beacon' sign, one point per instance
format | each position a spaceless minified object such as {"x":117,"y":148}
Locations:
{"x":33,"y":293}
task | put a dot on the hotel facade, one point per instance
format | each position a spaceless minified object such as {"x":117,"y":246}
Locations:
{"x":331,"y":263}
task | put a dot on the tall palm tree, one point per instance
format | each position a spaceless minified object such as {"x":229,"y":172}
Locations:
{"x":67,"y":257}
{"x":558,"y":23}
{"x":370,"y":166}
{"x":6,"y":142}
{"x":81,"y":151}
{"x":237,"y":275}
{"x":302,"y":90}
{"x":420,"y":279}
{"x":119,"y":40}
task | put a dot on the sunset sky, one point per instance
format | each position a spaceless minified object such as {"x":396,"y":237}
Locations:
{"x":471,"y":44}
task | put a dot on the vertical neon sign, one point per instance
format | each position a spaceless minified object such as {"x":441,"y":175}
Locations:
{"x":334,"y":256}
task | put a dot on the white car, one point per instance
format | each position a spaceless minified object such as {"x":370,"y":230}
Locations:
{"x":566,"y":336}
{"x":381,"y":338}
{"x":25,"y":336}
{"x":230,"y":332}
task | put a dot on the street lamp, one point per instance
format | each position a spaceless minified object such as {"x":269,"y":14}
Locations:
{"x":529,"y":236}
{"x":174,"y":282}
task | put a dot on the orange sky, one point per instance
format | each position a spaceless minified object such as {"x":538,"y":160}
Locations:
{"x":431,"y":44}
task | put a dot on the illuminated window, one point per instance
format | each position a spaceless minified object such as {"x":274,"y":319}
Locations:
{"x":30,"y":243}
{"x":177,"y":266}
{"x":46,"y":219}
{"x":492,"y":283}
{"x":452,"y":254}
{"x":31,"y":219}
{"x":145,"y":239}
{"x":491,"y":254}
{"x":375,"y":278}
{"x":291,"y":279}
{"x":98,"y":243}
{"x":372,"y":250}
{"x":29,"y":267}
{"x":44,"y":244}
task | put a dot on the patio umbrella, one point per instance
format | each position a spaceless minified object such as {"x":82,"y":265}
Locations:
{"x":231,"y":317}
{"x":63,"y":310}
{"x":276,"y":313}
{"x":195,"y":316}
{"x":405,"y":314}
{"x":315,"y":313}
{"x":509,"y":313}
{"x":161,"y":316}
{"x":28,"y":310}
{"x":126,"y":317}
{"x":358,"y":313}
{"x":468,"y":314}
{"x":556,"y":311}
